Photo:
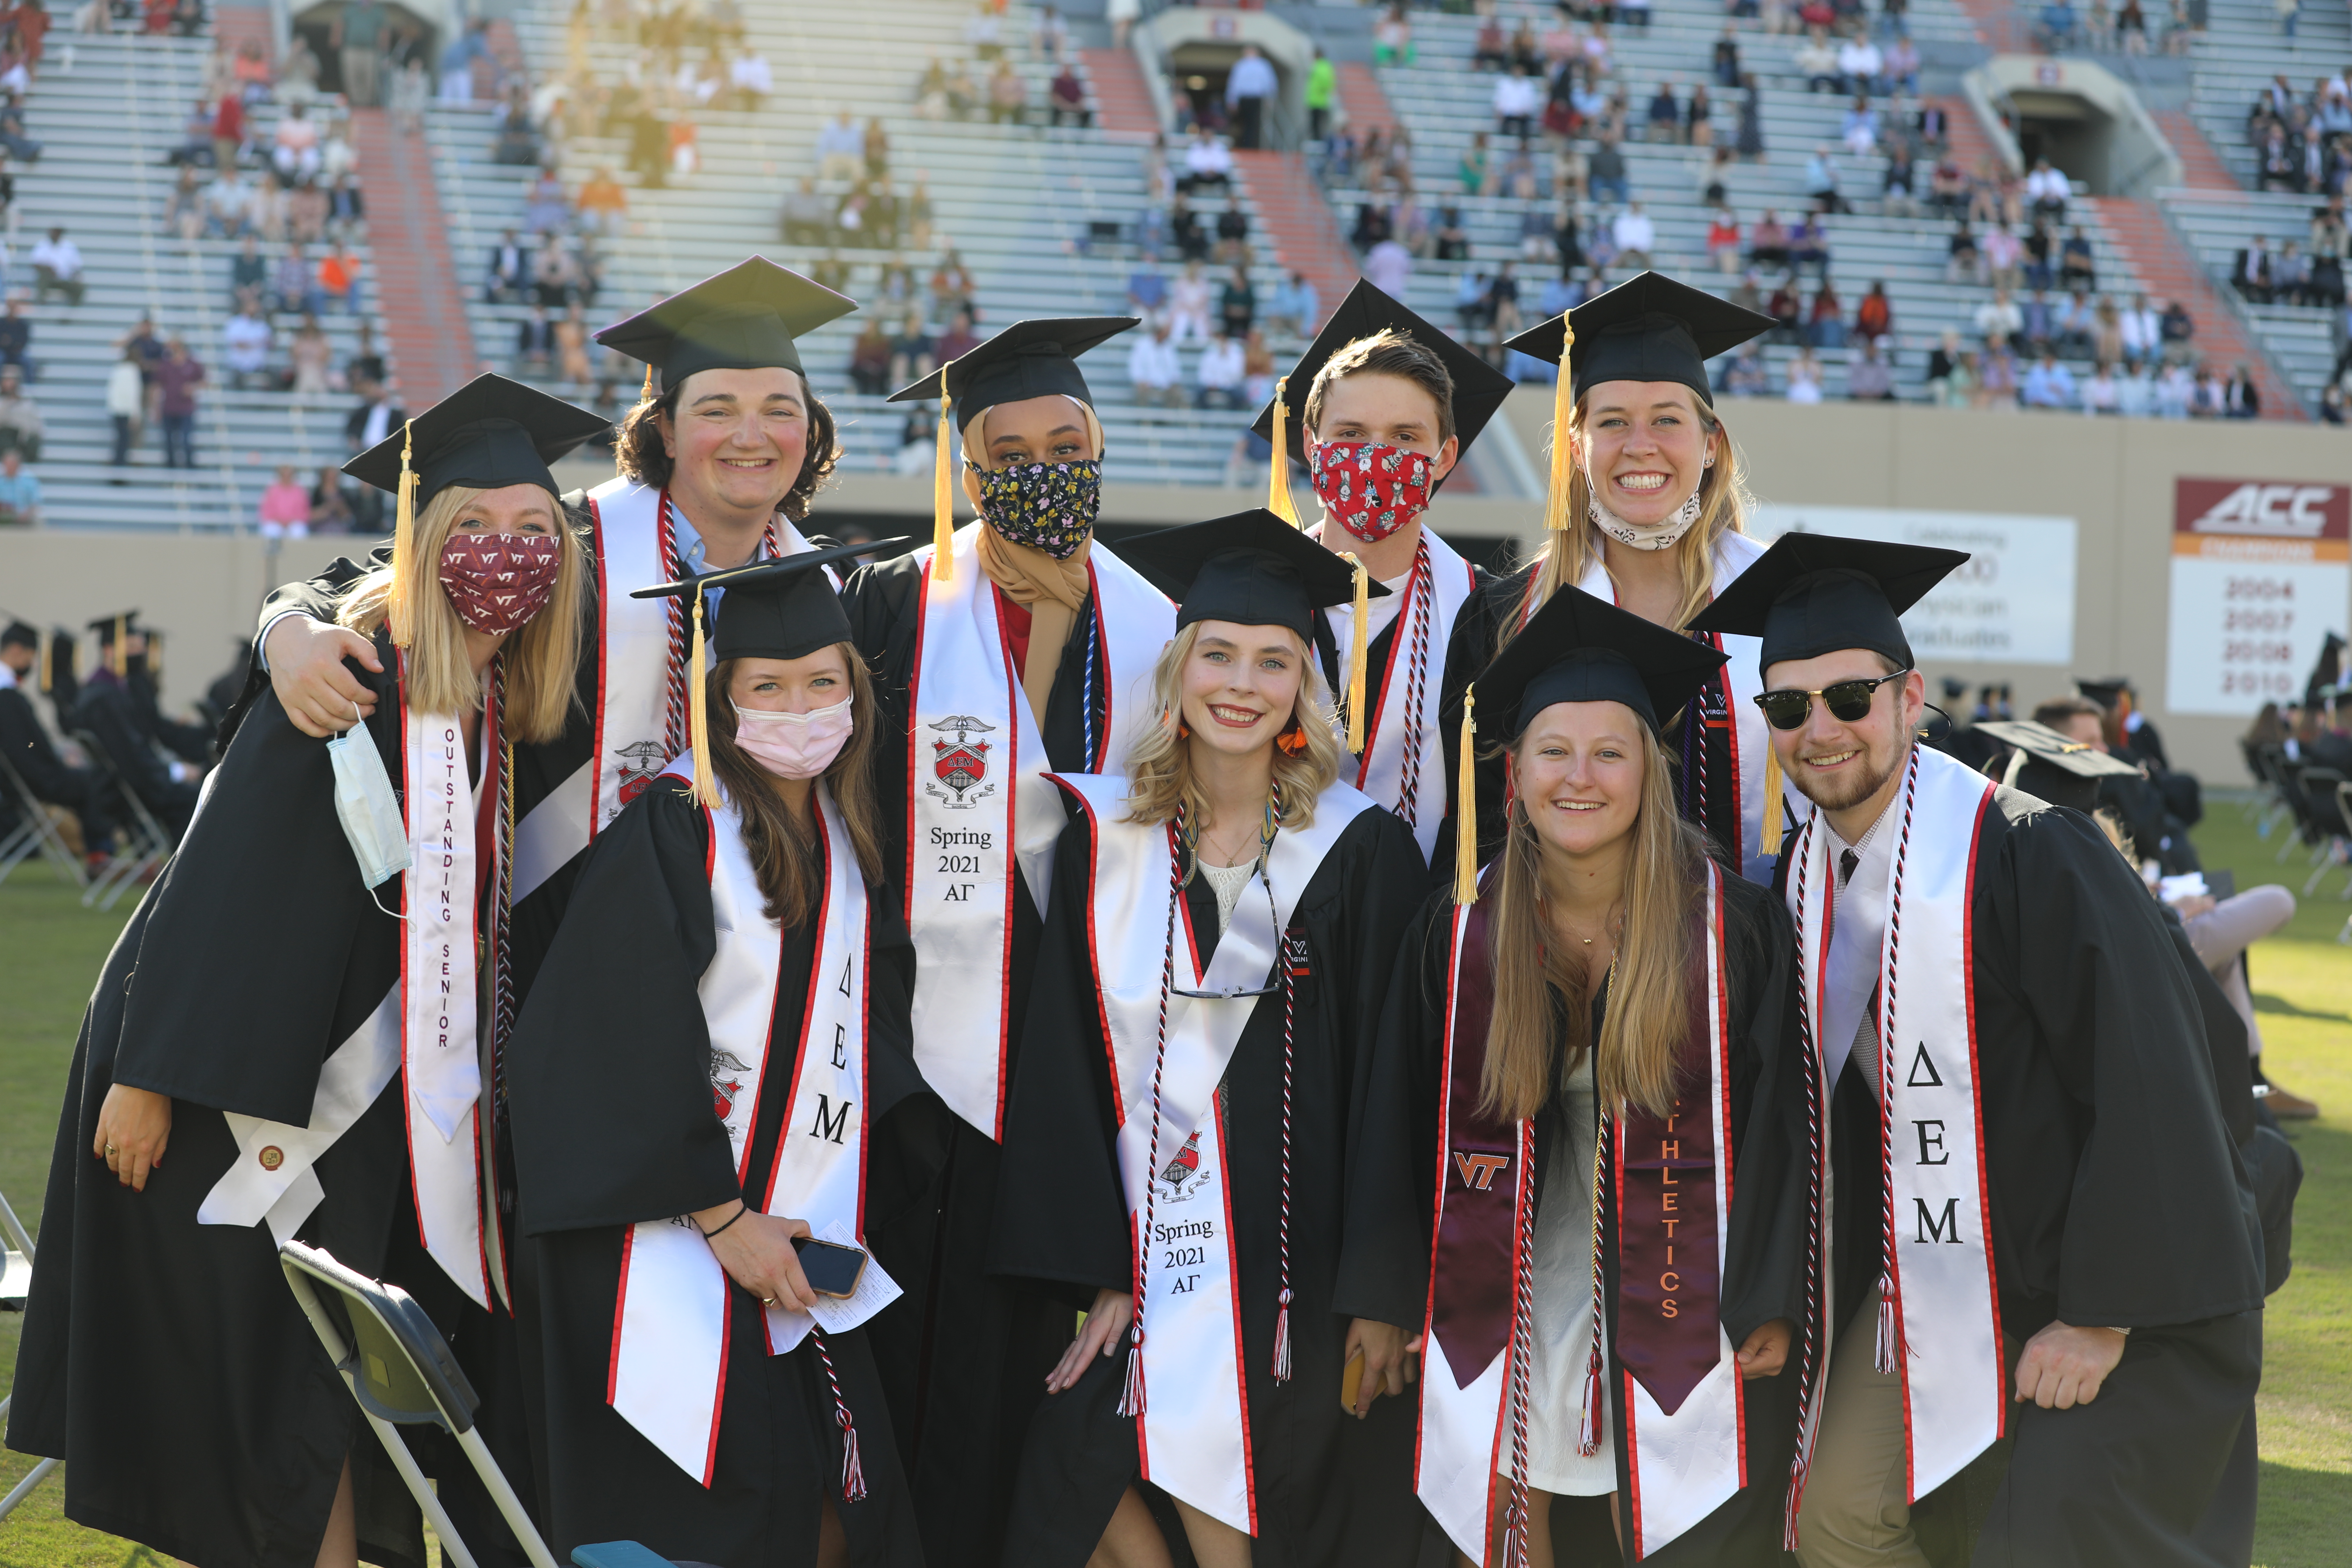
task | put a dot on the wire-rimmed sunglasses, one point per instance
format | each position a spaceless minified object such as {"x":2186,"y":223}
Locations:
{"x":1847,"y":701}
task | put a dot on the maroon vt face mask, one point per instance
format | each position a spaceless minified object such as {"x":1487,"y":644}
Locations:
{"x":496,"y":582}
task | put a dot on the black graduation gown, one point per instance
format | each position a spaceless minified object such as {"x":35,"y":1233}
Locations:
{"x":1479,"y":633}
{"x":610,"y":1091}
{"x":108,"y":709}
{"x":1384,"y":1271}
{"x":189,"y":742}
{"x":27,"y":746}
{"x":964,"y":1356}
{"x":166,"y":1361}
{"x":1330,"y":1489}
{"x":2118,"y":1196}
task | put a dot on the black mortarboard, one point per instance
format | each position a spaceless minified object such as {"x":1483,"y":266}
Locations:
{"x":782,"y":607}
{"x":745,"y":317}
{"x":1813,"y":594}
{"x":1648,"y":328}
{"x":20,"y":633}
{"x":1027,"y":359}
{"x":2105,"y":693}
{"x":491,"y":433}
{"x":109,"y":627}
{"x":1251,"y":569}
{"x":1478,"y":387}
{"x":2051,"y":767}
{"x":1579,"y":648}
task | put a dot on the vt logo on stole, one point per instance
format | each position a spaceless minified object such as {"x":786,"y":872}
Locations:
{"x":639,"y":763}
{"x":961,"y":763}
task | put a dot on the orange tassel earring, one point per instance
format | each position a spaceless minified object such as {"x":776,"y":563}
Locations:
{"x":1292,"y":741}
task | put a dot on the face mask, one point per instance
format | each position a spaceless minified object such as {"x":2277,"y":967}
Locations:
{"x":366,"y":806}
{"x":496,"y":582}
{"x":1045,"y":506}
{"x":794,"y":745}
{"x":1372,"y":488}
{"x":1640,"y":535}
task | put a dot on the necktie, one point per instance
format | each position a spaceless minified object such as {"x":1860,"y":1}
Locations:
{"x":1847,"y":860}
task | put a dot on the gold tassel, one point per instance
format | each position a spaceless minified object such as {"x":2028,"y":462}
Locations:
{"x":1357,"y":659}
{"x":698,"y":705}
{"x":647,"y":394}
{"x":403,"y":542}
{"x":1772,"y":800}
{"x":155,"y":657}
{"x":118,"y":656}
{"x":48,"y":667}
{"x":1278,"y":476}
{"x":942,"y":507}
{"x":1465,"y":810}
{"x":1563,"y":412}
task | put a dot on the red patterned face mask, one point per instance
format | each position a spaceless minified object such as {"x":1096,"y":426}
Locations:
{"x":1371,"y":487}
{"x":496,"y":582}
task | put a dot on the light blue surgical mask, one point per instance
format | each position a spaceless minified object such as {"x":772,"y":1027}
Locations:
{"x":366,"y":806}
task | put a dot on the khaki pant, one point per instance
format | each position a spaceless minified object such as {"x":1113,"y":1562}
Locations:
{"x":362,"y":76}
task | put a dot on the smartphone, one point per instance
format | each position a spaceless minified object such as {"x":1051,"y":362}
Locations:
{"x":830,"y":1269}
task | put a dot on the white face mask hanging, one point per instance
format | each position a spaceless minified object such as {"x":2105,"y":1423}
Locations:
{"x":366,"y":806}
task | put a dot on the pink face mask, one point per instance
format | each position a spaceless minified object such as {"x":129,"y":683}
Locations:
{"x":1371,"y":487}
{"x":496,"y":582}
{"x":794,"y":745}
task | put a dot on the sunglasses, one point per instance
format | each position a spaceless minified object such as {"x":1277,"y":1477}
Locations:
{"x":1847,"y":701}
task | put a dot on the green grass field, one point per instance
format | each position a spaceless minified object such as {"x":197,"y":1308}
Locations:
{"x":50,"y":950}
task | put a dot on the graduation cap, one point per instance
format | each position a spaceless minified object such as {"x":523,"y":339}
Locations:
{"x":745,"y":317}
{"x":491,"y":433}
{"x":1255,"y":570}
{"x":1577,"y":649}
{"x":2053,"y":767}
{"x":1648,"y":328}
{"x":1028,"y":359}
{"x":19,"y":633}
{"x":781,"y":607}
{"x":114,"y":633}
{"x":1479,"y":388}
{"x":57,"y":675}
{"x":1813,"y":594}
{"x":2107,"y":693}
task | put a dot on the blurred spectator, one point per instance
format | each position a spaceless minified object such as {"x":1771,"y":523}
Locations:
{"x":1809,"y":246}
{"x":126,"y":403}
{"x":1634,"y":236}
{"x":2176,"y":328}
{"x":807,"y":216}
{"x":247,"y":269}
{"x":2240,"y":399}
{"x":1517,"y":99}
{"x":544,"y":205}
{"x":2102,"y":394}
{"x":1232,"y":237}
{"x":2076,"y":268}
{"x":1723,"y":240}
{"x":1187,"y":304}
{"x":1743,"y":375}
{"x":1825,"y":319}
{"x":1605,"y":170}
{"x":228,"y":205}
{"x":1861,"y":128}
{"x":1257,"y":370}
{"x":1861,"y":67}
{"x":1238,"y":304}
{"x":293,"y":284}
{"x":1049,"y":35}
{"x":1804,"y":378}
{"x":20,"y":492}
{"x":245,"y":342}
{"x":1767,"y":242}
{"x":1942,"y":360}
{"x":2175,"y":391}
{"x":177,"y":377}
{"x":1874,"y":319}
{"x":1822,"y":180}
{"x":365,"y":368}
{"x":603,"y":205}
{"x":2251,"y":272}
{"x":1248,"y":86}
{"x":574,"y":347}
{"x":16,"y":337}
{"x":294,"y":149}
{"x":1387,"y":266}
{"x":2047,"y":384}
{"x":228,"y":128}
{"x":1816,"y":61}
{"x":1155,"y":370}
{"x":1999,"y":319}
{"x":330,"y":507}
{"x":1665,"y":115}
{"x":1322,"y":93}
{"x":952,"y":287}
{"x":1392,"y":39}
{"x":309,"y":361}
{"x":1147,"y":290}
{"x":840,"y":148}
{"x":870,"y":360}
{"x":1220,"y":373}
{"x":57,"y":269}
{"x":2047,"y":191}
{"x":338,"y":279}
{"x":1868,"y":379}
{"x":1207,"y":162}
{"x":357,"y":32}
{"x":959,"y":340}
{"x":534,"y":348}
{"x":20,"y":417}
{"x":749,"y":80}
{"x":1065,"y":97}
{"x":1726,"y":58}
{"x":2141,"y":330}
{"x":911,"y":357}
{"x":409,"y":92}
{"x":1008,"y":97}
{"x":285,"y":510}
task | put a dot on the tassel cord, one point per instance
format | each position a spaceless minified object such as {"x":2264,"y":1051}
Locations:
{"x":1131,"y":1401}
{"x":1465,"y":806}
{"x":942,"y":504}
{"x":853,"y":1470}
{"x":1277,"y":478}
{"x":1563,"y":412}
{"x":1359,"y":657}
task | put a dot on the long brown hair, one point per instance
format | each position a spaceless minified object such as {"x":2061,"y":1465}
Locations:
{"x":1159,"y":764}
{"x":1541,"y":1023}
{"x":1571,"y":555}
{"x":784,"y":850}
{"x":640,"y":455}
{"x":540,"y":659}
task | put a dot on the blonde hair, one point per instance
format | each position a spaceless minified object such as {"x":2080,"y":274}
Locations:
{"x":1571,"y":555}
{"x":975,"y":447}
{"x":1160,"y":763}
{"x":540,"y":658}
{"x":1540,"y":1025}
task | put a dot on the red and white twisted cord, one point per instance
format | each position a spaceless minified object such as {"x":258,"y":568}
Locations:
{"x":852,"y":1472}
{"x":1131,"y":1397}
{"x":1890,"y":1293}
{"x":1800,"y":1462}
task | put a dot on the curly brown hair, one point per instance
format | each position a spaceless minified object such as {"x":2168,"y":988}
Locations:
{"x":641,"y":457}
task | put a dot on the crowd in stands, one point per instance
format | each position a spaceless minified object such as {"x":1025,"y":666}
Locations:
{"x":2136,"y":27}
{"x":2302,"y":142}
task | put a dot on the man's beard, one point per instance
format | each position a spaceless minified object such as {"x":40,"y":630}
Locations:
{"x":1836,"y":791}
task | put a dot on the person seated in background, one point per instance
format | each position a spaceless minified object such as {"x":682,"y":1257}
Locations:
{"x":869,"y":359}
{"x":1154,"y":370}
{"x":20,"y":492}
{"x":2076,"y":266}
{"x":1869,"y":379}
{"x":285,"y":509}
{"x":294,"y":145}
{"x":1220,"y":374}
{"x":1296,"y":306}
{"x":1874,"y":319}
{"x":749,"y":80}
{"x":1207,"y":162}
{"x":534,"y":348}
{"x":1804,"y":378}
{"x":2048,"y":384}
{"x":246,"y":342}
{"x":1147,"y":290}
{"x":1767,"y":242}
{"x":25,"y":742}
{"x":958,"y":341}
{"x":113,"y":708}
{"x":20,"y":417}
{"x":912,"y":356}
{"x":248,"y":268}
{"x":331,"y":506}
{"x":2101,"y":393}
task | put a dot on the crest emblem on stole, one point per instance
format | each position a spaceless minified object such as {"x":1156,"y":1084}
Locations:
{"x":960,"y":764}
{"x":726,"y":1082}
{"x":639,"y":763}
{"x":1184,"y":1165}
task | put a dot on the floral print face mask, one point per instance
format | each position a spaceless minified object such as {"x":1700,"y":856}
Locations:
{"x":1371,"y":487}
{"x":1045,"y":506}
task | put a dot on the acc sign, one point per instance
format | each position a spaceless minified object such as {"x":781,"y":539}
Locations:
{"x":2259,"y":579}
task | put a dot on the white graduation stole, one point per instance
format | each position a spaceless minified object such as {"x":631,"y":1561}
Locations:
{"x":1193,"y":1437}
{"x":1684,"y":1465}
{"x":1743,"y":680}
{"x":440,"y":990}
{"x":670,"y":1324}
{"x":633,"y":683}
{"x":1946,"y":1313}
{"x":1440,"y":592}
{"x":978,"y":803}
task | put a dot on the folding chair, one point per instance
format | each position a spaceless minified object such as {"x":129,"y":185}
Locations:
{"x":141,"y":844}
{"x":15,"y":1284}
{"x":400,"y":1370}
{"x":36,"y":833}
{"x":2324,"y":797}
